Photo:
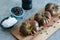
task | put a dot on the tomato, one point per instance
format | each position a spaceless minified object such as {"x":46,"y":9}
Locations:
{"x":53,"y":9}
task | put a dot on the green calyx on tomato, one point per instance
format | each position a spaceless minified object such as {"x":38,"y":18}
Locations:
{"x":29,"y":28}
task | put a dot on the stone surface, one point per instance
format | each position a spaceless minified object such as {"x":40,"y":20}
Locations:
{"x":6,"y":5}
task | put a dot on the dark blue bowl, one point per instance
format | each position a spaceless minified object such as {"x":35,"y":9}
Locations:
{"x":3,"y":26}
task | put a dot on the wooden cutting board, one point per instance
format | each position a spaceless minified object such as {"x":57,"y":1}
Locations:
{"x":40,"y":35}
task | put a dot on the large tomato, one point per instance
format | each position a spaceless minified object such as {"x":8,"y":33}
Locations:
{"x":42,"y":18}
{"x":53,"y":9}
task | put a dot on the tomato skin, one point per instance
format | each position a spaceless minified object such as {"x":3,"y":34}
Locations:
{"x":37,"y":17}
{"x":43,"y":22}
{"x":47,"y":14}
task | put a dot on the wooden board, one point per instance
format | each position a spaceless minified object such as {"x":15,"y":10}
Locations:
{"x":41,"y":35}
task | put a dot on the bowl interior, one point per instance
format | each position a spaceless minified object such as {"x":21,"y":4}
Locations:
{"x":20,"y":15}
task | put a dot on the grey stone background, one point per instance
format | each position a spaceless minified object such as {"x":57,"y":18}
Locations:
{"x":6,"y":5}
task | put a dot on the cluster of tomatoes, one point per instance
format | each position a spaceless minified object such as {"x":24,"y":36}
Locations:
{"x":30,"y":26}
{"x":51,"y":10}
